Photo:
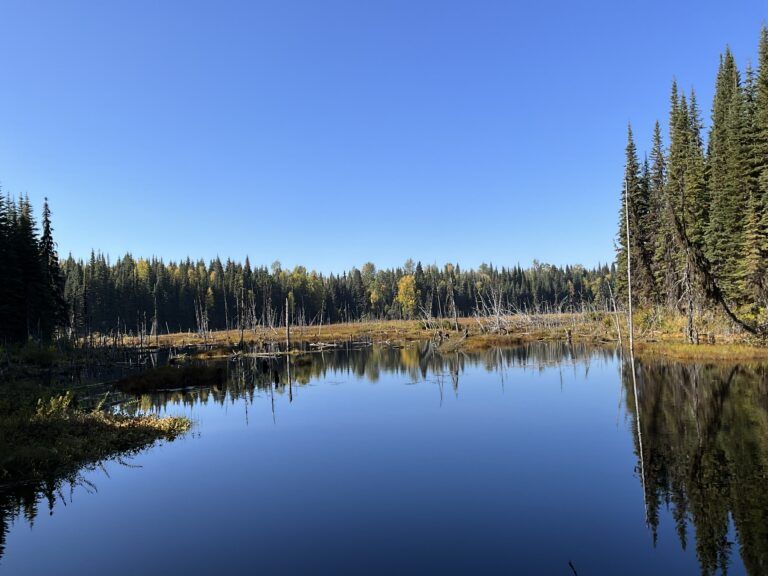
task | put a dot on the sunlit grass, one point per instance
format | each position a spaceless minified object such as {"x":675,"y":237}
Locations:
{"x":44,"y":437}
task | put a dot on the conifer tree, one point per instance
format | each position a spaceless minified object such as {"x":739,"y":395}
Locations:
{"x":659,"y":220}
{"x":30,"y":266}
{"x":54,"y":307}
{"x":695,"y":175}
{"x":5,"y":269}
{"x":720,"y":162}
{"x":736,"y":198}
{"x":708,"y":210}
{"x":682,"y":203}
{"x":761,"y":120}
{"x":754,"y":273}
{"x":637,"y":196}
{"x":750,"y":269}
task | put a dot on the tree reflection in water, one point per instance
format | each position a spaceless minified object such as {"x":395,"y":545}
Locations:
{"x":705,"y":450}
{"x":704,"y":429}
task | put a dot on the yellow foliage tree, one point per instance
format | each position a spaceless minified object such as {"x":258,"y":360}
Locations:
{"x":407,"y":295}
{"x":142,"y":270}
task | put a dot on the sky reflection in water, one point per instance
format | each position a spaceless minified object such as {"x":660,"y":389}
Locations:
{"x":389,"y":460}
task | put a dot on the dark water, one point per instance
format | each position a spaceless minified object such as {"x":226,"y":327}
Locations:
{"x":402,"y":461}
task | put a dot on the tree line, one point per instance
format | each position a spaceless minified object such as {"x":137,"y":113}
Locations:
{"x":41,"y":298}
{"x":151,"y":296}
{"x":698,"y":210}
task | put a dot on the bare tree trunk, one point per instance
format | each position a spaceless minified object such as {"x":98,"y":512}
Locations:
{"x":287,"y":327}
{"x":322,"y":308}
{"x":226,"y":311}
{"x":616,"y":316}
{"x":453,"y":307}
{"x":240,"y":310}
{"x":690,"y":329}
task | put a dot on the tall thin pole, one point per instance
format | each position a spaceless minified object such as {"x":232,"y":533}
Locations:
{"x":629,"y":264}
{"x":632,"y":348}
{"x":288,"y":350}
{"x":287,"y":328}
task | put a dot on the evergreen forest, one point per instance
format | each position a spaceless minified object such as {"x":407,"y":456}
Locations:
{"x":698,"y":207}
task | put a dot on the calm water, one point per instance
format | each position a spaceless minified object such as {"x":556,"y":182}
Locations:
{"x":402,"y":461}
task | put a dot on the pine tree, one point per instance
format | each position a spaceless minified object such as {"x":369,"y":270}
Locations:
{"x":750,"y":270}
{"x":645,"y":235}
{"x":27,"y":316}
{"x":13,"y":325}
{"x":5,"y":272}
{"x":659,"y":220}
{"x":682,"y":204}
{"x":708,"y":211}
{"x":74,"y":294}
{"x":695,"y":175}
{"x":761,"y":109}
{"x":54,"y":306}
{"x":736,"y":199}
{"x":720,"y":228}
{"x":677,"y":160}
{"x":759,"y":200}
{"x":671,"y":258}
{"x":637,"y":195}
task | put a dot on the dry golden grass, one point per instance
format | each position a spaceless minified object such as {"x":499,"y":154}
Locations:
{"x":655,"y":333}
{"x":552,"y":327}
{"x":703,"y":352}
{"x":376,"y":331}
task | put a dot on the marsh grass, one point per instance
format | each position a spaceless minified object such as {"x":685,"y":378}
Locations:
{"x":45,"y":435}
{"x":726,"y":352}
{"x":656,"y":327}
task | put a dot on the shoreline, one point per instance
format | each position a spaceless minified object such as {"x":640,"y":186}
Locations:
{"x":599,"y":329}
{"x":46,"y":431}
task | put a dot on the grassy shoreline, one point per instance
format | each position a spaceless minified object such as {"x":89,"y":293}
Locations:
{"x":54,"y":443}
{"x":654,"y":335}
{"x":45,"y":434}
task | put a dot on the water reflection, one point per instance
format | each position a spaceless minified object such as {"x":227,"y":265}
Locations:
{"x":250,"y":376}
{"x":701,"y":448}
{"x":705,"y":449}
{"x":25,"y":500}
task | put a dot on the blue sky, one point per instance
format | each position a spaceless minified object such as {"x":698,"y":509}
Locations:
{"x":330,"y":133}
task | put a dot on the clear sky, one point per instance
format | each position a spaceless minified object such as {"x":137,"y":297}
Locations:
{"x":330,"y":133}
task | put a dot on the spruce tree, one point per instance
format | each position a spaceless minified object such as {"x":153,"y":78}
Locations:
{"x":645,"y":238}
{"x":13,"y":327}
{"x":659,"y":219}
{"x":708,"y":211}
{"x":636,"y":194}
{"x":719,"y":238}
{"x":751,"y":268}
{"x":679,"y":133}
{"x":5,"y":272}
{"x":28,"y":315}
{"x":695,"y":176}
{"x":54,"y":309}
{"x":736,"y":199}
{"x":761,"y":116}
{"x":758,"y":253}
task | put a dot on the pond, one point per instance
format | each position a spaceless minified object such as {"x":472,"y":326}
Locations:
{"x":389,"y":460}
